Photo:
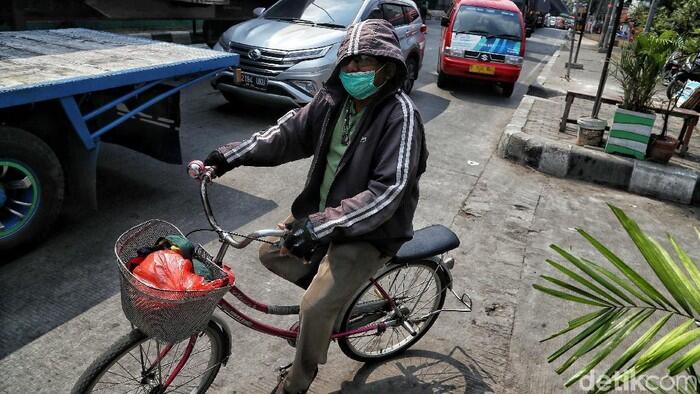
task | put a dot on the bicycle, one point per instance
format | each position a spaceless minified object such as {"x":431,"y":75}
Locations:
{"x":181,"y":348}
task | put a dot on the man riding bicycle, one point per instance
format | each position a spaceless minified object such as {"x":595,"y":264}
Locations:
{"x":361,"y":193}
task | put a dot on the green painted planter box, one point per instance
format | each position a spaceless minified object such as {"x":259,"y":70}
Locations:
{"x":630,"y":133}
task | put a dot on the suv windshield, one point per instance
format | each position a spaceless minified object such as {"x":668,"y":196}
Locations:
{"x":331,"y":13}
{"x":487,"y":22}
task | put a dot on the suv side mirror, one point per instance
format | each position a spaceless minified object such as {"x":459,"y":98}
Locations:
{"x":258,"y":11}
{"x":444,"y":21}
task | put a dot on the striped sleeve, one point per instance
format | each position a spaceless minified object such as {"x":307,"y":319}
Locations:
{"x":397,"y":165}
{"x":288,"y":140}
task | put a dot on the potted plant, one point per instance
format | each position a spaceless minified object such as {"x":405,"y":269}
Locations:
{"x":638,"y":71}
{"x":662,"y":146}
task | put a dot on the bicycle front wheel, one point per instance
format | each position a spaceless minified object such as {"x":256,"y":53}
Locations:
{"x":130,"y":365}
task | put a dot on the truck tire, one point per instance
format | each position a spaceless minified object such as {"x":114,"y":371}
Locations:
{"x":31,"y":189}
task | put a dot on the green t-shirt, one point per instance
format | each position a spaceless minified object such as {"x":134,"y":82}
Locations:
{"x":337,"y":149}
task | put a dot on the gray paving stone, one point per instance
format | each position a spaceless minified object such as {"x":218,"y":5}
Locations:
{"x":599,"y":167}
{"x":555,"y":160}
{"x":660,"y":181}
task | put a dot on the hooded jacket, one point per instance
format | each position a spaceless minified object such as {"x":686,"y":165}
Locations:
{"x":375,"y":191}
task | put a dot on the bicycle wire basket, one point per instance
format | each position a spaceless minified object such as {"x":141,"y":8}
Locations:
{"x":166,"y":315}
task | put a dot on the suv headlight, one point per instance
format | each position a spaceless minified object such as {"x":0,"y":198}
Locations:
{"x":307,"y":54}
{"x":224,"y":44}
{"x":307,"y":86}
{"x":517,"y":60}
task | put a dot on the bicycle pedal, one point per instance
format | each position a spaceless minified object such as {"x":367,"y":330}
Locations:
{"x":293,"y":341}
{"x":283,"y":371}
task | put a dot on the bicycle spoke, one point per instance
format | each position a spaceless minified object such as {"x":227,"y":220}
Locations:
{"x":427,"y":280}
{"x":203,"y":372}
{"x":432,"y":299}
{"x":129,"y":382}
{"x":415,"y":289}
{"x":391,"y":286}
{"x":173,"y":358}
{"x":127,"y":371}
{"x":138,"y":361}
{"x":121,"y":376}
{"x":126,"y":382}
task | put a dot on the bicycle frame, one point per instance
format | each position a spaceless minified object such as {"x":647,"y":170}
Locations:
{"x":204,"y":174}
{"x":256,"y":325}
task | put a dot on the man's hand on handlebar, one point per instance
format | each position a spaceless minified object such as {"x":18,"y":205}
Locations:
{"x":198,"y":170}
{"x":218,"y":162}
{"x":300,"y":239}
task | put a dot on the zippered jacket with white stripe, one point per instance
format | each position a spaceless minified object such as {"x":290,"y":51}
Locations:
{"x":375,"y":191}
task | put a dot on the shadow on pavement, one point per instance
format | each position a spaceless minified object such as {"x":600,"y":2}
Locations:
{"x":487,"y":93}
{"x":429,"y":105}
{"x":421,"y":371}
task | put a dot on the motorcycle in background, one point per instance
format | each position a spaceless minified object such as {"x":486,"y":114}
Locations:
{"x":673,"y":65}
{"x":689,"y":71}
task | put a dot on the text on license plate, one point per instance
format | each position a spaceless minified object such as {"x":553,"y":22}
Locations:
{"x":253,"y":81}
{"x":481,"y":69}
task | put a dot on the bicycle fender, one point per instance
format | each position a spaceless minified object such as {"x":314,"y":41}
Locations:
{"x":445,"y":270}
{"x":221,"y":325}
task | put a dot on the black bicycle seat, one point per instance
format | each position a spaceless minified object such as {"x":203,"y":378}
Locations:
{"x":427,"y":242}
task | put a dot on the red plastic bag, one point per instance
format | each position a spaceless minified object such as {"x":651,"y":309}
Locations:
{"x":168,"y":270}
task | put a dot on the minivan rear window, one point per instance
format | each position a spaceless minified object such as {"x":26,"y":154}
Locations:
{"x":487,"y":22}
{"x":324,"y":12}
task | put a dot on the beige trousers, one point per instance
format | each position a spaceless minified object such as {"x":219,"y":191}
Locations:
{"x":343,"y":270}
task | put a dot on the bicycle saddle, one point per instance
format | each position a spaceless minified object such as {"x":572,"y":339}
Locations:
{"x":428,"y":241}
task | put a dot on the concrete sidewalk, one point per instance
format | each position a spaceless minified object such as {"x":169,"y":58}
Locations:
{"x":533,"y":137}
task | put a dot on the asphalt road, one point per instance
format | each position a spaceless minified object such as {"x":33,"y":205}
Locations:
{"x":74,"y":270}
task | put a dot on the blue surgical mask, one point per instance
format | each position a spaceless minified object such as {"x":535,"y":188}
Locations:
{"x":360,"y":85}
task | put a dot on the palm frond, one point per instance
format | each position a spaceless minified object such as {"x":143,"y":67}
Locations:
{"x":631,"y":274}
{"x":624,"y":303}
{"x":634,"y":349}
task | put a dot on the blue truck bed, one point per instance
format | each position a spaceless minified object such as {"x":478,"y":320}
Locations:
{"x":47,"y":64}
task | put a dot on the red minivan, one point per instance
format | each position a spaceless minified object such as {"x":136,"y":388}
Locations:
{"x":482,"y":39}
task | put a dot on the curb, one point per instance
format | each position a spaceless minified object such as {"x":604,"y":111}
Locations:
{"x":570,"y":161}
{"x":547,"y":70}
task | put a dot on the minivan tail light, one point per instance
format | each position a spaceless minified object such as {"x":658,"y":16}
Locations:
{"x":423,"y":28}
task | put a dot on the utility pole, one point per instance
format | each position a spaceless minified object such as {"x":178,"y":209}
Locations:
{"x":612,"y":28}
{"x":606,"y":22}
{"x":608,"y":54}
{"x":584,"y":22}
{"x":652,"y":14}
{"x":599,"y":5}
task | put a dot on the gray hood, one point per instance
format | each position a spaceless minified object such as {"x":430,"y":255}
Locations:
{"x":272,"y":34}
{"x":375,"y":37}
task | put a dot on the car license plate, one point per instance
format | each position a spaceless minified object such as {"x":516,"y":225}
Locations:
{"x":253,"y":81}
{"x":481,"y":69}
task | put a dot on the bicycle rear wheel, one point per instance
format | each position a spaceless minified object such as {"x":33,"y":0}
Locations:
{"x":128,"y":365}
{"x":418,"y":289}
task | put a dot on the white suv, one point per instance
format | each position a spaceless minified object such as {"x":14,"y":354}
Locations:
{"x":290,"y":49}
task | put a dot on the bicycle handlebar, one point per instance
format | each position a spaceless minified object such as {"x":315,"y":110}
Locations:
{"x":197,"y":170}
